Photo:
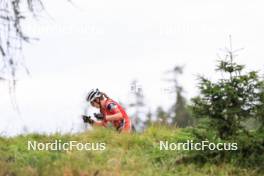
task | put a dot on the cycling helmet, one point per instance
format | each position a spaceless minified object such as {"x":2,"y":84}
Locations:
{"x":94,"y":93}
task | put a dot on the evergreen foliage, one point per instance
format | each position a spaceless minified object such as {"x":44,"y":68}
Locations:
{"x":226,"y":106}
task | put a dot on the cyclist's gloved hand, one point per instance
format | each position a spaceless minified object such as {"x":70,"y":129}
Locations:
{"x":87,"y":119}
{"x":99,"y":116}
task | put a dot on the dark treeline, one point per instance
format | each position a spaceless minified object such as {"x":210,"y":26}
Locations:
{"x":178,"y":115}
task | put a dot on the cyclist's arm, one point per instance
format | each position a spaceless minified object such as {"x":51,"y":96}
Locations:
{"x":116,"y":116}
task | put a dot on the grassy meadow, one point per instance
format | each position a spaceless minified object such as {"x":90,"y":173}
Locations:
{"x":135,"y":154}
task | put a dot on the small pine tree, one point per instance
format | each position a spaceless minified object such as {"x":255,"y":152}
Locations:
{"x":162,"y":116}
{"x":183,"y":117}
{"x":231,"y":100}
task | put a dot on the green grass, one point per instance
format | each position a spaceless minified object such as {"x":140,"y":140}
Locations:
{"x":136,"y":154}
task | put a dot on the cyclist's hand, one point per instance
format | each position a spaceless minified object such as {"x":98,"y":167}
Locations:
{"x":99,"y":116}
{"x":87,"y":119}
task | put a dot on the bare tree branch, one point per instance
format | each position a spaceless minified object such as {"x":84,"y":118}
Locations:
{"x":12,"y":38}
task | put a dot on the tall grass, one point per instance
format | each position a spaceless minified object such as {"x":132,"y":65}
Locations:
{"x":135,"y":154}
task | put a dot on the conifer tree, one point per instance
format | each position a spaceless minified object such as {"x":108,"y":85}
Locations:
{"x":179,"y":113}
{"x":231,"y":100}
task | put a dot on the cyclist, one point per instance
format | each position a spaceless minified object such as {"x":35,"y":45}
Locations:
{"x":110,"y":112}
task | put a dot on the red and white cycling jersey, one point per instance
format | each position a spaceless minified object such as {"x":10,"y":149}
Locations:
{"x":111,"y":107}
